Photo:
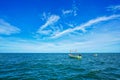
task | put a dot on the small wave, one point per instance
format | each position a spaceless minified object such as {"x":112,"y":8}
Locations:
{"x":110,"y":69}
{"x":93,"y":74}
{"x":115,"y":75}
{"x":77,"y":69}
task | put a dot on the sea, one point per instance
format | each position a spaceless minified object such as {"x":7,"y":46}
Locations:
{"x":59,"y":66}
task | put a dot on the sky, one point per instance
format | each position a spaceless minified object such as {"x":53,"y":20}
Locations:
{"x":58,"y":26}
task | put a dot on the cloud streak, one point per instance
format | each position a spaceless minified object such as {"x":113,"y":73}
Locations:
{"x":66,"y":11}
{"x":97,"y":43}
{"x":114,"y":8}
{"x":8,"y":29}
{"x":51,"y":20}
{"x":82,"y":27}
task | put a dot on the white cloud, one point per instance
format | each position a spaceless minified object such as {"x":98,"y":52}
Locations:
{"x":51,"y":20}
{"x":72,"y":11}
{"x":114,"y":8}
{"x":66,"y":11}
{"x":45,"y":32}
{"x":85,"y":25}
{"x":74,"y":8}
{"x":97,"y":43}
{"x":44,"y":16}
{"x":71,"y":25}
{"x":75,"y":11}
{"x":7,"y":29}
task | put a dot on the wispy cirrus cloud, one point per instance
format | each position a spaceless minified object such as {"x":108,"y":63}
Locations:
{"x":82,"y":27}
{"x":66,"y":12}
{"x":97,"y":43}
{"x":113,"y":8}
{"x":44,"y":16}
{"x":72,"y":11}
{"x":8,"y":29}
{"x":51,"y":20}
{"x":75,"y":8}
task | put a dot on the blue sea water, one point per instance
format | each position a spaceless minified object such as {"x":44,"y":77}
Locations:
{"x":34,"y":66}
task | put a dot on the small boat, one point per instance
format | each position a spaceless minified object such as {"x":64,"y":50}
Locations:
{"x":96,"y":55}
{"x":75,"y":56}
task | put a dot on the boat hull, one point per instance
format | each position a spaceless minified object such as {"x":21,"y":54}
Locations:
{"x":75,"y":56}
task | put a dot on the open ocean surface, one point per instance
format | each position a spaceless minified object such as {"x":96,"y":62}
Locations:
{"x":59,"y":67}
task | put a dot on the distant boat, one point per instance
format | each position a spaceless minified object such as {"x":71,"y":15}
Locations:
{"x":75,"y":56}
{"x":95,"y":54}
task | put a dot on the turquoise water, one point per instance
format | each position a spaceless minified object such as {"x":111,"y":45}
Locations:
{"x":59,"y":67}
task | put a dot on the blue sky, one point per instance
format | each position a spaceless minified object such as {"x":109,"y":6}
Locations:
{"x":45,"y":26}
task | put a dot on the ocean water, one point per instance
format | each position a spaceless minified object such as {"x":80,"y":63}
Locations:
{"x":50,"y":66}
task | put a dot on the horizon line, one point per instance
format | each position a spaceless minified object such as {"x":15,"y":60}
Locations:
{"x":55,"y":52}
